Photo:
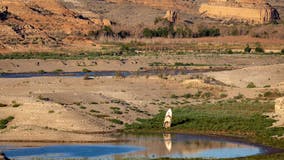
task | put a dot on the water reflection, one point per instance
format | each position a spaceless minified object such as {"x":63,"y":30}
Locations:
{"x":144,"y":146}
{"x":168,"y":141}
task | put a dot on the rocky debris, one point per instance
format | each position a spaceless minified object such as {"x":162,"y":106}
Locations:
{"x":250,"y":11}
{"x":171,"y":16}
{"x":40,"y":10}
{"x":279,"y":106}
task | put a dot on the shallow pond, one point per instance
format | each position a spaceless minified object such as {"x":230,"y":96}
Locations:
{"x":141,"y":146}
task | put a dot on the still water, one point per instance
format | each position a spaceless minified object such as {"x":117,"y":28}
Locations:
{"x":141,"y":146}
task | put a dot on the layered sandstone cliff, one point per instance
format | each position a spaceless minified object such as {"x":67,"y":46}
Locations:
{"x":251,"y":11}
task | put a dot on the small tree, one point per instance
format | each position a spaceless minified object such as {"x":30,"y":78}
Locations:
{"x":148,"y":33}
{"x":259,"y":50}
{"x":247,"y":49}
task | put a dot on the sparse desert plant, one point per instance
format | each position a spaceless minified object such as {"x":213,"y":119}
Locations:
{"x":4,"y":122}
{"x":94,"y":111}
{"x":43,"y":98}
{"x":267,"y":86}
{"x":116,"y":121}
{"x":174,"y":96}
{"x":272,"y":94}
{"x":3,"y":105}
{"x":247,"y":49}
{"x":282,"y":51}
{"x":223,"y":95}
{"x":86,"y":70}
{"x":259,"y":49}
{"x":41,"y":71}
{"x":51,"y":111}
{"x":15,"y":104}
{"x":239,"y":96}
{"x":83,"y":107}
{"x":251,"y":85}
{"x":58,"y":71}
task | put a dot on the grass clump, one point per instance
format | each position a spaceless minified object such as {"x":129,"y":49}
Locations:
{"x":15,"y":104}
{"x":230,"y":117}
{"x":83,"y":107}
{"x":116,"y":121}
{"x":251,"y":85}
{"x":94,"y":111}
{"x":86,"y":70}
{"x":3,"y":105}
{"x":4,"y":122}
{"x":51,"y":111}
{"x":58,"y":71}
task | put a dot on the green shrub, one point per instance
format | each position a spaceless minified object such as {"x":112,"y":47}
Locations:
{"x":247,"y":49}
{"x":272,"y":94}
{"x":123,"y":34}
{"x":83,"y":107}
{"x":58,"y":71}
{"x":282,"y":51}
{"x":223,"y":95}
{"x":86,"y":70}
{"x":116,"y":121}
{"x":3,"y":105}
{"x":251,"y":85}
{"x":148,"y":33}
{"x":51,"y":111}
{"x":183,"y":32}
{"x":4,"y":122}
{"x":239,"y":96}
{"x":94,"y":111}
{"x":267,"y":86}
{"x":209,"y":32}
{"x":259,"y":50}
{"x":108,"y":31}
{"x":174,"y":96}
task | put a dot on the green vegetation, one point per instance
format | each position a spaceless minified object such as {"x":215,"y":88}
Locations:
{"x":83,"y":107}
{"x":231,"y":117}
{"x":116,"y":110}
{"x":116,"y":121}
{"x":259,"y":50}
{"x":15,"y":104}
{"x":282,"y":51}
{"x":4,"y":122}
{"x":251,"y":85}
{"x":239,"y":96}
{"x":94,"y":111}
{"x":267,"y":86}
{"x":3,"y":105}
{"x":58,"y":71}
{"x":272,"y":94}
{"x":51,"y":111}
{"x":86,"y":70}
{"x":180,"y":32}
{"x":209,"y":32}
{"x":247,"y":49}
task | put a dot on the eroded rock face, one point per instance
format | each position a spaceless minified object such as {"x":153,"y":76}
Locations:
{"x":279,"y":106}
{"x":251,"y":11}
{"x":171,"y":16}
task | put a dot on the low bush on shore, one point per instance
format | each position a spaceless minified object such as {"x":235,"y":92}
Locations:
{"x":4,"y":122}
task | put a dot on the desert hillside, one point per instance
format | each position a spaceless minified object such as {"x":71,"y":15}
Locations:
{"x":79,"y":25}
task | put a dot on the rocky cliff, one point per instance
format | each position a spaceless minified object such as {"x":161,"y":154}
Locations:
{"x":251,"y":11}
{"x":163,"y":4}
{"x":39,"y":23}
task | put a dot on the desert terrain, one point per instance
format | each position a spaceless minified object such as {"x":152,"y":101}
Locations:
{"x":82,"y":71}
